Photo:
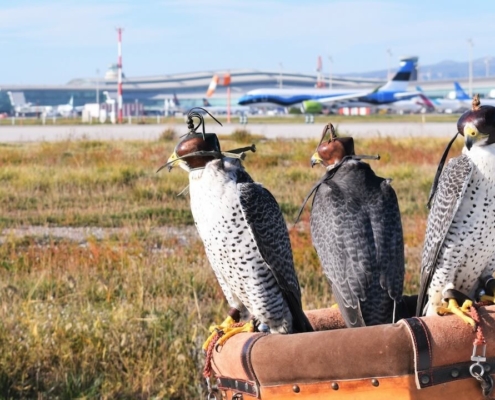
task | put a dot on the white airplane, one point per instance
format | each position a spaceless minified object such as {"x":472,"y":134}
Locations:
{"x":457,"y":101}
{"x":392,"y":91}
{"x":461,"y":94}
{"x":68,"y":110}
{"x":416,"y":105}
{"x":21,"y":107}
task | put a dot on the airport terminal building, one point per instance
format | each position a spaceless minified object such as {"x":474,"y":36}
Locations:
{"x":153,"y":91}
{"x":190,"y":88}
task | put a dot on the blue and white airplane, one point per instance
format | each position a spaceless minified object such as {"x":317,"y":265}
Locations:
{"x":460,"y":94}
{"x":456,"y":101}
{"x":390,"y":92}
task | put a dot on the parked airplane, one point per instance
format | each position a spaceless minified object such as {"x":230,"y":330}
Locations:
{"x":21,"y":107}
{"x":172,"y":106}
{"x":456,"y":101}
{"x":418,"y":104}
{"x":390,"y":92}
{"x":30,"y":109}
{"x":68,"y":110}
{"x":462,"y":95}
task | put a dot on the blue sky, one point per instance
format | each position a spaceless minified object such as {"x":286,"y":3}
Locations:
{"x":53,"y":41}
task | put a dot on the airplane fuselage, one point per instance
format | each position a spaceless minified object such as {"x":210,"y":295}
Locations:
{"x":288,"y":97}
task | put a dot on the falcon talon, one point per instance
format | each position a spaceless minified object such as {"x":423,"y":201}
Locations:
{"x":218,"y":347}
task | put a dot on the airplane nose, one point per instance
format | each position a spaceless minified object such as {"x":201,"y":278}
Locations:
{"x":243,"y":101}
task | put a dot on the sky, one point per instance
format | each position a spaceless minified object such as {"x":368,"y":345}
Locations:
{"x":54,"y":41}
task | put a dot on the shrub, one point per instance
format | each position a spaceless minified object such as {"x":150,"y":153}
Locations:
{"x":168,"y":135}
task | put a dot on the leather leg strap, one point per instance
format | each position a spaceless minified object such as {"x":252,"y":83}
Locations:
{"x":422,"y":351}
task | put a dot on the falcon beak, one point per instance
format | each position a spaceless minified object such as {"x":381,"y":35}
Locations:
{"x":316,"y":159}
{"x":171,"y":162}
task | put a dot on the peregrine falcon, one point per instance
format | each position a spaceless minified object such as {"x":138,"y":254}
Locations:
{"x":459,"y":243}
{"x":357,"y":233}
{"x":245,"y":237}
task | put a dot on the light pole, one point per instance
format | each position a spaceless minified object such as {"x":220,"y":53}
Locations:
{"x":389,"y":52}
{"x":280,"y":78}
{"x":330,"y":64}
{"x":471,"y":44}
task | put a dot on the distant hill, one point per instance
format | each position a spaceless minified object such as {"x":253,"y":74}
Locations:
{"x":447,"y":69}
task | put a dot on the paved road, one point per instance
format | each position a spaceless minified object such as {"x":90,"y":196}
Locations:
{"x":13,"y":134}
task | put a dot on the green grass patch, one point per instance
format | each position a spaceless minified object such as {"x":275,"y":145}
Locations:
{"x":125,"y":316}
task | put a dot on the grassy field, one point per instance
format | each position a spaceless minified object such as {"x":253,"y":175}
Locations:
{"x":123,"y":315}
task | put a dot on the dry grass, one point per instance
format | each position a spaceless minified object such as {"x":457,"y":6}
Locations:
{"x":124,"y":317}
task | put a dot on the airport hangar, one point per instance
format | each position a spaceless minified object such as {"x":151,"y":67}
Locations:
{"x":190,"y":88}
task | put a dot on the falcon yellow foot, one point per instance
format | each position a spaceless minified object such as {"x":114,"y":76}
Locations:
{"x":461,"y":312}
{"x":215,"y":329}
{"x":231,"y":331}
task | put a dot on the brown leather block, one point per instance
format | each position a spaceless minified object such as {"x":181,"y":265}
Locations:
{"x":326,"y":319}
{"x":328,"y":355}
{"x":315,"y":361}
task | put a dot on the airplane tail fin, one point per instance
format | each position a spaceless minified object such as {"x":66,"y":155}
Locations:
{"x":206,"y":103}
{"x":71,"y":101}
{"x":460,"y":94}
{"x":426,"y":101}
{"x":407,"y":72}
{"x":212,"y":87}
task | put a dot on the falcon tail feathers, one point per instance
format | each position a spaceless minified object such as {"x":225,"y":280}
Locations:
{"x":300,"y":322}
{"x":353,"y":317}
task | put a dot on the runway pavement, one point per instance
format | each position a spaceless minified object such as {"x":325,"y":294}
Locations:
{"x":12,"y":134}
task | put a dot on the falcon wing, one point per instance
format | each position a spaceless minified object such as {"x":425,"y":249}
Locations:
{"x":343,"y":238}
{"x":269,"y":230}
{"x":451,"y":188}
{"x":387,"y":227}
